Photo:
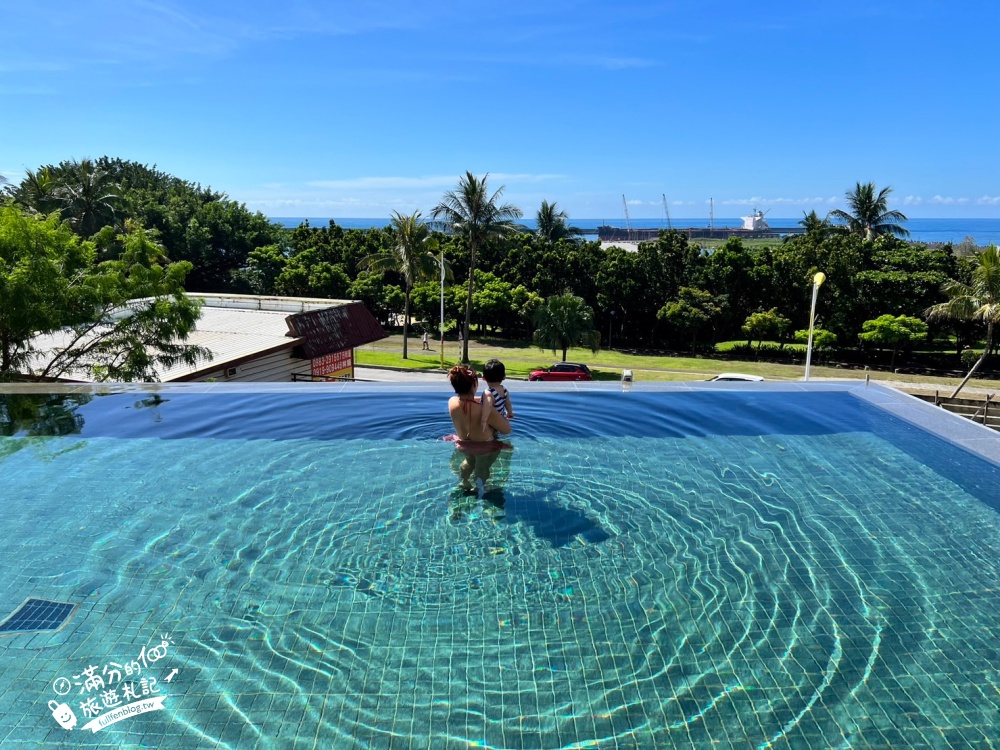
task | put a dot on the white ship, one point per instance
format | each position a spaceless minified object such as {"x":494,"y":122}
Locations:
{"x":755,"y":222}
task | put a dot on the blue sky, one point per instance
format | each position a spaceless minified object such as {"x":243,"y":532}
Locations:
{"x":337,"y":109}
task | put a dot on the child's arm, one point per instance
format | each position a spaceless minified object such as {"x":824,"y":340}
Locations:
{"x":510,"y":405}
{"x":487,"y":407}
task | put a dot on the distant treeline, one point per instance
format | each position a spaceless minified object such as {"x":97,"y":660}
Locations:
{"x":669,"y":294}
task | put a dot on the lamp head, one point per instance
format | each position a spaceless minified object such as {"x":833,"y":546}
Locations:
{"x":819,"y":278}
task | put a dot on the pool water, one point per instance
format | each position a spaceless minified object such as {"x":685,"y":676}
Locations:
{"x":664,"y":568}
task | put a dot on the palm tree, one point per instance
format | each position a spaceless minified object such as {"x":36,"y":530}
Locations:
{"x":551,"y":224}
{"x":814,"y":226}
{"x":88,"y":197}
{"x":565,"y":321}
{"x":472,"y":212}
{"x":979,"y":300}
{"x":870,"y":215}
{"x":411,"y":256}
{"x":37,"y":191}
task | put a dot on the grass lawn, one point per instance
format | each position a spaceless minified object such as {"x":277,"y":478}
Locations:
{"x":521,"y":358}
{"x":755,"y":242}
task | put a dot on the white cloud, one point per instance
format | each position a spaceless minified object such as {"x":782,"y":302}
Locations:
{"x":760,"y":201}
{"x":937,"y":200}
{"x":422,"y":183}
{"x":988,"y":200}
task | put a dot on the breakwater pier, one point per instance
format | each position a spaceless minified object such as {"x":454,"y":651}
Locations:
{"x":620,"y":234}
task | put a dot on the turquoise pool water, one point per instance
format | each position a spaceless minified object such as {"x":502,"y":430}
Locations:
{"x":662,"y":568}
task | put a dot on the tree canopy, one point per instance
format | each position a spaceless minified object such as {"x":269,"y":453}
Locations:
{"x":893,"y":332}
{"x":978,"y":300}
{"x":115,"y":320}
{"x":669,"y":292}
{"x":411,"y":257}
{"x":195,"y":224}
{"x":565,"y":321}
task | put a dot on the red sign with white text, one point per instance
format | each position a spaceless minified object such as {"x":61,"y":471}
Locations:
{"x":335,"y":365}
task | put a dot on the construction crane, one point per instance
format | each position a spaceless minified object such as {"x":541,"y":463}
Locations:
{"x":666,"y":210}
{"x":628,"y":224}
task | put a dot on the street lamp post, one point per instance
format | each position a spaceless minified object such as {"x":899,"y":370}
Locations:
{"x":442,"y":310}
{"x":818,"y":280}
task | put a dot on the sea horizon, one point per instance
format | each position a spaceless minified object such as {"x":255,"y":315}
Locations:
{"x":983,"y":231}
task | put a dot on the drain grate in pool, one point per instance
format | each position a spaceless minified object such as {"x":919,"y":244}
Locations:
{"x":37,"y":614}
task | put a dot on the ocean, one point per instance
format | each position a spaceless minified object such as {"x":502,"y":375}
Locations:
{"x":983,"y":231}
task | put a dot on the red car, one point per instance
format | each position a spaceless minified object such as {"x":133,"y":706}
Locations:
{"x":562,"y":371}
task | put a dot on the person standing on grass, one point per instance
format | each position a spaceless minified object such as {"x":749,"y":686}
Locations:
{"x":426,"y":343}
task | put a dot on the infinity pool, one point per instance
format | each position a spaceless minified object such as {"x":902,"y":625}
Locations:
{"x":673,"y":566}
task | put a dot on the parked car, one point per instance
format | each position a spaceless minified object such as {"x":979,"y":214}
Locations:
{"x":737,"y":376}
{"x":562,"y":371}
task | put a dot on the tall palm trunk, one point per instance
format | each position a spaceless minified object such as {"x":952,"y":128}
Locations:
{"x":986,"y":353}
{"x":468,"y":304}
{"x":406,"y":321}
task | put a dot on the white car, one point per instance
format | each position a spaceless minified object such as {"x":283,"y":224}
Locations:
{"x":731,"y":376}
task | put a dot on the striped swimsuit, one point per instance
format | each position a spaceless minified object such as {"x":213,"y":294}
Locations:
{"x":499,"y":399}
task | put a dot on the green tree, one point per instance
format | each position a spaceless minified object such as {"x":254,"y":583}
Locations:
{"x":411,"y":256}
{"x":369,"y":288}
{"x":869,"y":214}
{"x":526,"y":304}
{"x":565,"y":321}
{"x":88,"y":196}
{"x":813,"y":225}
{"x":692,"y":314}
{"x":767,"y":324}
{"x":551,"y":223}
{"x":193,"y":223}
{"x":822,"y":339}
{"x":264,"y":266}
{"x":37,"y":191}
{"x":493,"y":301}
{"x":745,"y":277}
{"x":118,"y":320}
{"x":978,"y":300}
{"x":895,"y":332}
{"x":472,"y":212}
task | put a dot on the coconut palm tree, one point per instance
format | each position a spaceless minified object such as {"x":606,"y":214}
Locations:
{"x":551,"y":223}
{"x":473,"y":213}
{"x":88,"y":197}
{"x":37,"y":191}
{"x":814,"y":226}
{"x":869,"y":213}
{"x":979,"y":300}
{"x":411,"y":256}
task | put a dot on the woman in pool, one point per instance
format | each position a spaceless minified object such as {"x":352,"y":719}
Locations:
{"x":471,"y":437}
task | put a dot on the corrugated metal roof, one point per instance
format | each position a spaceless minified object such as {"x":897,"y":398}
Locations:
{"x":231,"y":334}
{"x":236,"y":327}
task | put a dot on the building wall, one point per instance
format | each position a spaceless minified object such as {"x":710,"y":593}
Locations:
{"x":276,"y":367}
